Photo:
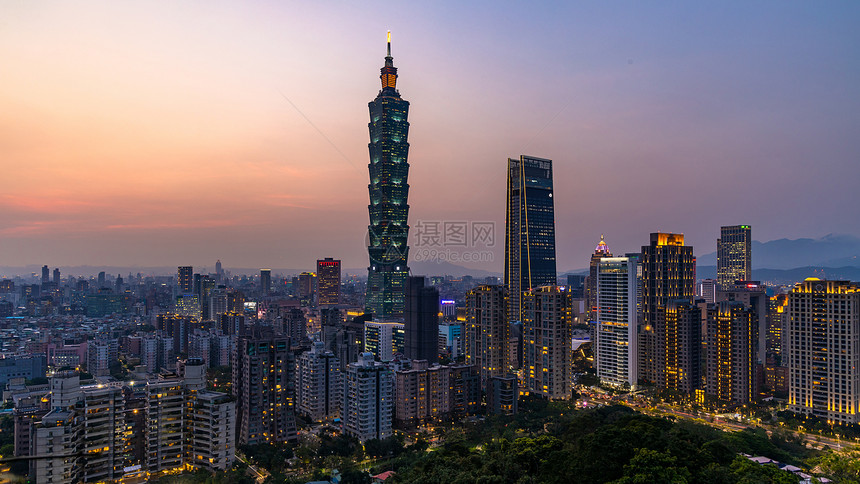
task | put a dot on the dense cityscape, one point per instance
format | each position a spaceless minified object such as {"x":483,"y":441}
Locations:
{"x":642,"y":367}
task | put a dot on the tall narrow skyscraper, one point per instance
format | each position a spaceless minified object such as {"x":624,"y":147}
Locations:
{"x":734,"y":255}
{"x":421,"y":320}
{"x":619,"y":306}
{"x":529,"y":230}
{"x":265,"y":281}
{"x":388,"y":230}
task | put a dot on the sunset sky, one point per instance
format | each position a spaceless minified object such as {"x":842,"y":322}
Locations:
{"x":168,"y":133}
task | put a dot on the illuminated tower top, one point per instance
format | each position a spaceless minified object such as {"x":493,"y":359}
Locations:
{"x":388,"y":73}
{"x":602,"y":248}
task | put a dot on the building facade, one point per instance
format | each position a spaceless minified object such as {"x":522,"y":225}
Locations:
{"x":730,"y":352}
{"x":668,"y":273}
{"x":368,"y":399}
{"x":328,"y":282}
{"x":318,"y":384}
{"x":824,"y":350}
{"x":384,"y":339}
{"x":421,"y":320}
{"x":117,"y":431}
{"x":618,"y":316}
{"x":547,"y":332}
{"x":427,"y":392}
{"x":184,"y":279}
{"x":263,"y":384}
{"x":487,"y":332}
{"x":734,"y":255}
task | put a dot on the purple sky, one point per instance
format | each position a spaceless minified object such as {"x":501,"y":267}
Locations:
{"x":167,"y":133}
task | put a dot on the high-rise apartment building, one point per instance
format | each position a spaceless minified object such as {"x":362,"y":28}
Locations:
{"x":734,"y":255}
{"x":368,"y":399}
{"x":422,"y":393}
{"x":388,"y":231}
{"x":295,"y":325}
{"x":487,"y":332}
{"x":730,"y":344}
{"x":619,"y":312}
{"x":600,"y":252}
{"x":421,"y":320}
{"x":104,"y":433}
{"x":263,"y":384}
{"x":547,"y":327}
{"x":680,"y":347}
{"x":307,"y":288}
{"x":529,"y":230}
{"x":101,"y":354}
{"x":328,"y":282}
{"x":318,"y":384}
{"x":668,"y":273}
{"x":212,"y":416}
{"x":185,"y":279}
{"x":754,"y":296}
{"x":777,"y":321}
{"x":432,"y":392}
{"x":824,"y":350}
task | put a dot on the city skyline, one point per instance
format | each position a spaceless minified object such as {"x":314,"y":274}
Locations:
{"x":238,"y":133}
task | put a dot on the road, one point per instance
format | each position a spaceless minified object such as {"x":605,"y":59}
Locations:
{"x":260,"y":475}
{"x":811,"y":440}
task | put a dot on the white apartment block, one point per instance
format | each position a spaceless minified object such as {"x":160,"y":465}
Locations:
{"x":616,"y":354}
{"x":318,"y":384}
{"x":368,"y":399}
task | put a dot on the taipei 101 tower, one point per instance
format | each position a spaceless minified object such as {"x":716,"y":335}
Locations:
{"x":388,"y":230}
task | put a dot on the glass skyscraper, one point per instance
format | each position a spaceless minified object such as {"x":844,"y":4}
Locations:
{"x":388,"y":230}
{"x":529,"y":230}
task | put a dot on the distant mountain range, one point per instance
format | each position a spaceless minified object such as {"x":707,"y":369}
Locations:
{"x":828,"y":251}
{"x":790,"y":276}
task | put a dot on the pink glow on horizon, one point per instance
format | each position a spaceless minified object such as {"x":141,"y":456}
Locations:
{"x":159,"y":133}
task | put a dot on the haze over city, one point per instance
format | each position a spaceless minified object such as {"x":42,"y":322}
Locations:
{"x":168,"y":134}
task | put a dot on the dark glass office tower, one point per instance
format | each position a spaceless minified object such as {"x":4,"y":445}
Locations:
{"x":421,"y":320}
{"x":529,"y":230}
{"x":388,"y":230}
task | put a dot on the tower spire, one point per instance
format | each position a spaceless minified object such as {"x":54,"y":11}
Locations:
{"x":389,"y":44}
